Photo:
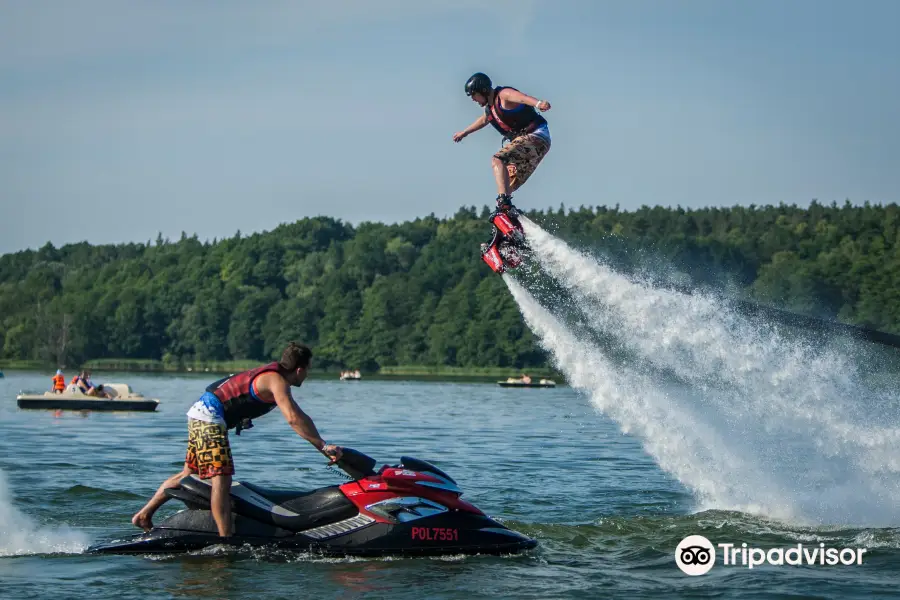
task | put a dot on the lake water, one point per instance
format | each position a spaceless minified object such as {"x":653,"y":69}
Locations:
{"x":543,"y":461}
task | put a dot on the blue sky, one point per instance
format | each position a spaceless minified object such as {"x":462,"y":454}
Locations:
{"x":119,"y":120}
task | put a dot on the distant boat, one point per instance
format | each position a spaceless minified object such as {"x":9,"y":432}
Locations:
{"x":518,"y":383}
{"x":350,"y":376}
{"x":122,"y":398}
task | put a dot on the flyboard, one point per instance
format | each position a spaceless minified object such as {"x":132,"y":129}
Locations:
{"x":504,"y":251}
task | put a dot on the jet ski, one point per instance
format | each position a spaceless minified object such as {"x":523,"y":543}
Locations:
{"x":504,"y":250}
{"x":412,"y":508}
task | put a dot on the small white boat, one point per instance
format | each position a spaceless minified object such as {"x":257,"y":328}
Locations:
{"x":121,"y":397}
{"x":543,"y":383}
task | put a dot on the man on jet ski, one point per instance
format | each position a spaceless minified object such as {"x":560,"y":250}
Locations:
{"x":230,"y":403}
{"x":513,"y":114}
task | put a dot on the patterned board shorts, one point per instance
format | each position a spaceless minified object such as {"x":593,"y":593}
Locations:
{"x":521,"y":157}
{"x":208,"y":451}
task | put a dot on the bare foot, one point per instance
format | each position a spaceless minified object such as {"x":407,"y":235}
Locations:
{"x":142,"y":521}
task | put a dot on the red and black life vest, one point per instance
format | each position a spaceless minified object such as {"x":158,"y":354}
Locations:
{"x":238,"y":398}
{"x":513,"y":122}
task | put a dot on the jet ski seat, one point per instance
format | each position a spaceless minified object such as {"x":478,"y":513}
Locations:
{"x":289,"y":509}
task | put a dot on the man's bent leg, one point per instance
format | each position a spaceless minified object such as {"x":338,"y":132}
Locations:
{"x":144,"y":517}
{"x":220,"y":502}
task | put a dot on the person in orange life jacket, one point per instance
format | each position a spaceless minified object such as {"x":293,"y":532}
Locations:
{"x":230,"y":403}
{"x":59,"y":382}
{"x":513,"y":114}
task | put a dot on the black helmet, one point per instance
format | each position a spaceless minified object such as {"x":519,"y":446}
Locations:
{"x":479,"y":82}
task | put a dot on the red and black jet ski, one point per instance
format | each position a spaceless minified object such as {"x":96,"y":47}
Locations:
{"x":412,"y":508}
{"x":504,"y":250}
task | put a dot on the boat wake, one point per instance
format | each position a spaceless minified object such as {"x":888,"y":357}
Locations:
{"x":20,"y":535}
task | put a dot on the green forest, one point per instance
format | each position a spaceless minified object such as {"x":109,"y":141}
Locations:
{"x":416,"y":293}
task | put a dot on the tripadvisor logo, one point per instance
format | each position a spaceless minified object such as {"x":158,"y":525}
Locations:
{"x":696,"y":555}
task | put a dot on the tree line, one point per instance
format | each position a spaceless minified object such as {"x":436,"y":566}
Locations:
{"x":416,"y":293}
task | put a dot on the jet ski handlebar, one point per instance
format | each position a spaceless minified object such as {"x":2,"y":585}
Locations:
{"x":356,"y":464}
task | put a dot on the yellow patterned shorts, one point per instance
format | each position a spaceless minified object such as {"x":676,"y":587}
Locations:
{"x":208,"y":452}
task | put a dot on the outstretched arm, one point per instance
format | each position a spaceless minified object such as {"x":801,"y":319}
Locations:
{"x":478,"y":124}
{"x":511,"y":95}
{"x":296,"y":418}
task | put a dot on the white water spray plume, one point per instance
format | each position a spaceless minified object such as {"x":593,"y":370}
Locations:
{"x":785,"y":407}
